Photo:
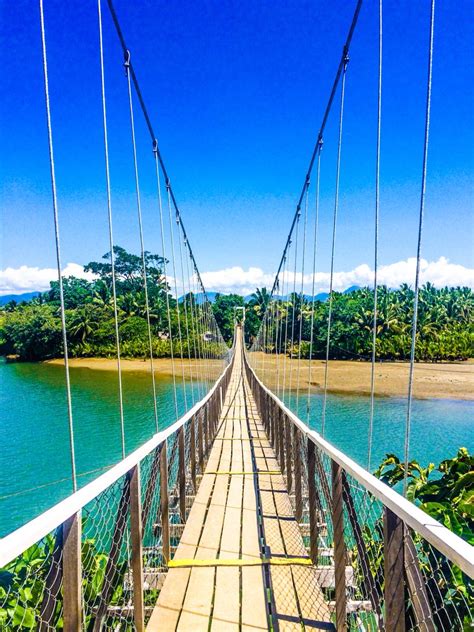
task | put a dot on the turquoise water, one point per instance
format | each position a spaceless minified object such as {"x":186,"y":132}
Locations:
{"x":438,"y":427}
{"x":34,"y":435}
{"x":34,"y":456}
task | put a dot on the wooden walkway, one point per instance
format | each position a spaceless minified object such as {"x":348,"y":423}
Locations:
{"x":241,"y":516}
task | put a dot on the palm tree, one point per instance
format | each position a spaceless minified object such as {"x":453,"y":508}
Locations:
{"x":84,"y":323}
{"x":261,"y":297}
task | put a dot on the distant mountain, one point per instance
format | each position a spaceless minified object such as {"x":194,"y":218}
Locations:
{"x":199,"y":296}
{"x":353,"y":288}
{"x":18,"y":298}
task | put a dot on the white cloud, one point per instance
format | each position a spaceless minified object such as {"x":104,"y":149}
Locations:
{"x":235,"y":279}
{"x":441,"y":273}
{"x":34,"y":279}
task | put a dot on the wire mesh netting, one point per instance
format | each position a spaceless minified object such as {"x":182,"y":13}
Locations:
{"x":106,"y":558}
{"x":30,"y":587}
{"x":350,"y":540}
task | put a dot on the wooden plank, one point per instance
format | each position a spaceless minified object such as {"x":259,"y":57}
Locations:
{"x":226,"y":612}
{"x":307,"y":605}
{"x":197,"y":604}
{"x":167,"y":611}
{"x":224,"y":523}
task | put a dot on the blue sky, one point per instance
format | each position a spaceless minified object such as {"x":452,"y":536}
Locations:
{"x":236,"y":92}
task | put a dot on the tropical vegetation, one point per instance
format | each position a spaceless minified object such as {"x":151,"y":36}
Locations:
{"x":32,"y":330}
{"x":445,"y":329}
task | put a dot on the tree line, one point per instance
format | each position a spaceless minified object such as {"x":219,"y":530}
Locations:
{"x":32,"y":331}
{"x":445,"y":329}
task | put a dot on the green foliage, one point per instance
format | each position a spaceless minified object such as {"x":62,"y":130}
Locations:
{"x":445,"y":324}
{"x":32,"y":331}
{"x":23,"y":583}
{"x":445,"y":492}
{"x":225,"y":314}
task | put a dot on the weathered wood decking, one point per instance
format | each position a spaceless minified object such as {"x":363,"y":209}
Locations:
{"x":241,"y":518}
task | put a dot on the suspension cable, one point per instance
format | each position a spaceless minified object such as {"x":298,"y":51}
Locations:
{"x":110,"y":224}
{"x":294,"y":302}
{"x":313,"y":284}
{"x":176,"y":292}
{"x":163,"y":249}
{"x":140,"y":227}
{"x":58,"y":250}
{"x":153,"y":137}
{"x":376,"y":243}
{"x":333,"y":246}
{"x":339,"y":73}
{"x":191,"y":373}
{"x":418,"y":250}
{"x":303,"y":253}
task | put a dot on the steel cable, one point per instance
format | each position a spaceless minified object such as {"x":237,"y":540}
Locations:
{"x":418,"y":250}
{"x":313,"y":284}
{"x":376,"y":243}
{"x":110,"y":225}
{"x":140,"y":227}
{"x":58,"y":250}
{"x":333,"y":245}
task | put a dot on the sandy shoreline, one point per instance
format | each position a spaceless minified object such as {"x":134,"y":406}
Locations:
{"x":162,"y":366}
{"x":439,"y":381}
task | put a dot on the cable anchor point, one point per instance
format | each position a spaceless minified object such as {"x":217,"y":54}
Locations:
{"x":126,"y":62}
{"x":346,"y":58}
{"x":155,"y":146}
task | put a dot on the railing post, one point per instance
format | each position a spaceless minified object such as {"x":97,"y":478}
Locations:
{"x":274,"y":424}
{"x":201,"y":441}
{"x":312,"y":500}
{"x":268,"y":405}
{"x":136,"y":531}
{"x":72,"y":574}
{"x":206,"y":430}
{"x":339,"y":547}
{"x":164,"y":503}
{"x":394,"y":572}
{"x":182,"y":475}
{"x":298,"y":476}
{"x":276,"y":417}
{"x":192,"y":446}
{"x":289,"y":483}
{"x":281,"y":431}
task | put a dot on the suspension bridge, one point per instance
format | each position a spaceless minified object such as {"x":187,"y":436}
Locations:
{"x":236,"y":514}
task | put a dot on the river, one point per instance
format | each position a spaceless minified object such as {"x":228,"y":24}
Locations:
{"x":35,"y":457}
